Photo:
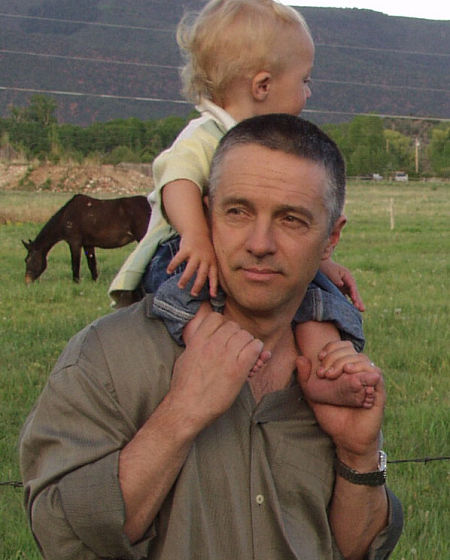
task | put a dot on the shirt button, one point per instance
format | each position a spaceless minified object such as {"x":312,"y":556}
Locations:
{"x":259,"y":499}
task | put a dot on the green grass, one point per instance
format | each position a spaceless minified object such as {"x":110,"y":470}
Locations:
{"x":403,"y":277}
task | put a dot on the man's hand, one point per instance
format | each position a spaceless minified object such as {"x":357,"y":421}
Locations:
{"x":210,"y":373}
{"x":343,"y":279}
{"x":198,"y":252}
{"x":207,"y":378}
{"x":338,"y":357}
{"x":355,"y":431}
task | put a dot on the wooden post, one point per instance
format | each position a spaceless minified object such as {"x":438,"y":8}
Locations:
{"x":391,"y":213}
{"x":417,"y":154}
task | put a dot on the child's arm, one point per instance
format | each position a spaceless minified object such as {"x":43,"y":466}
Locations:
{"x":182,"y":201}
{"x":343,"y":279}
{"x":312,"y":337}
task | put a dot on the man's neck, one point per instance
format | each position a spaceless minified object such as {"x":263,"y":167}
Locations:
{"x":278,"y":338}
{"x":276,"y":374}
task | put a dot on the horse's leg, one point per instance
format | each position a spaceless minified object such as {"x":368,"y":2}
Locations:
{"x":91,"y":260}
{"x":75,"y":252}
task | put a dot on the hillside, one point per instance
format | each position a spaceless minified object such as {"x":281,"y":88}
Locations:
{"x":112,"y":59}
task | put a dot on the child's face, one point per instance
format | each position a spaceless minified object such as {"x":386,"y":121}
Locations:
{"x":290,"y":88}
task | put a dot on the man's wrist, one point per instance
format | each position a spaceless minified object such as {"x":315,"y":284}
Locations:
{"x":372,"y":477}
{"x":362,"y":462}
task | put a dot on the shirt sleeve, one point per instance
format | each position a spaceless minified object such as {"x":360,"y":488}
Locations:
{"x":384,"y":543}
{"x":70,"y":449}
{"x":189,"y":158}
{"x":82,"y":516}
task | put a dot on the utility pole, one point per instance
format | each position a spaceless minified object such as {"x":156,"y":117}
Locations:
{"x":417,"y":154}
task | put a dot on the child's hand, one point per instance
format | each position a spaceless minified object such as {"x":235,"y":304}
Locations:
{"x":198,"y":252}
{"x":340,"y":357}
{"x":343,"y":279}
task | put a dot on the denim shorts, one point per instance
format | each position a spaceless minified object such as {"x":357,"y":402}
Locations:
{"x":323,"y":301}
{"x":156,"y":274}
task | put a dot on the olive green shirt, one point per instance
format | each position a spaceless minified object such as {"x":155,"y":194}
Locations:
{"x":256,"y":483}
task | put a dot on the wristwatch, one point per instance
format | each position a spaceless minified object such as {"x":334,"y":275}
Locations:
{"x":374,"y":478}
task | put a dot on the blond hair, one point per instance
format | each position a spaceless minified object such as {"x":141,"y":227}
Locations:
{"x":232,"y":39}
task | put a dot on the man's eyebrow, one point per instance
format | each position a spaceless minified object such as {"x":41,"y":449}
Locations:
{"x":235,"y":199}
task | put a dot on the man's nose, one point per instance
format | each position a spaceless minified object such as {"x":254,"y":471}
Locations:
{"x":261,"y":238}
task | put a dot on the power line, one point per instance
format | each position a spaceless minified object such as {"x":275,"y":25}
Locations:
{"x":381,"y":115}
{"x":101,"y":95}
{"x":377,"y":85}
{"x":182,"y":102}
{"x":95,"y":23}
{"x":177,"y":68}
{"x":379,"y":49}
{"x":88,"y":59}
{"x":172,"y":30}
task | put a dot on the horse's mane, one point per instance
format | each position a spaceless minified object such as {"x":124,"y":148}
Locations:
{"x":54,"y":220}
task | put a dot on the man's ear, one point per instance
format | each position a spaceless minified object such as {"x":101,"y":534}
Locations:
{"x":261,"y":83}
{"x":334,"y":237}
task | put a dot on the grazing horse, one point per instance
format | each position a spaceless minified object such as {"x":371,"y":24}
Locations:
{"x":88,"y":222}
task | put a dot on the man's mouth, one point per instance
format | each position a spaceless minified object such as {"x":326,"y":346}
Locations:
{"x":259,"y":273}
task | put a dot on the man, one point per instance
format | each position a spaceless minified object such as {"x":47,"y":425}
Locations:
{"x":139,"y":450}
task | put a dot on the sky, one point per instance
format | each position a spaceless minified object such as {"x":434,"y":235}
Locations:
{"x":430,"y":9}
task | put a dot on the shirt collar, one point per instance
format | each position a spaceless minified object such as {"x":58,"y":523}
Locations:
{"x":220,"y":116}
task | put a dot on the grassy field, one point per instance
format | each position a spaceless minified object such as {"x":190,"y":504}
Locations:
{"x":397,"y":244}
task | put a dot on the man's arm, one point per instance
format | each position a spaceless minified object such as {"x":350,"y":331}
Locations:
{"x":358,"y":513}
{"x":198,"y":395}
{"x":152,"y":459}
{"x":72,"y":442}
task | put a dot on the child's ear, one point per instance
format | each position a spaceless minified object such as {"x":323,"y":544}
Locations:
{"x":261,"y":83}
{"x":334,"y":237}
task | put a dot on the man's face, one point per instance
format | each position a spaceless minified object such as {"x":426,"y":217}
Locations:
{"x":269,"y":228}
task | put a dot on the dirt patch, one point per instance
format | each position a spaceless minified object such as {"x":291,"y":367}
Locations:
{"x":123,"y":179}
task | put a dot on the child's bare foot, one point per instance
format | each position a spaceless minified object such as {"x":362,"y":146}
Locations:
{"x":262,"y":360}
{"x":342,"y":377}
{"x":349,"y":389}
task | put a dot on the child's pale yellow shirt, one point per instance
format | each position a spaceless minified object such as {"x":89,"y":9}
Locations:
{"x":189,"y":157}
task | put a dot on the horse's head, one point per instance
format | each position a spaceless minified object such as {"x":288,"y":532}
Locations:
{"x":35,"y":262}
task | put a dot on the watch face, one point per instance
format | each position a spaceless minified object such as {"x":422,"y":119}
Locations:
{"x":382,"y":461}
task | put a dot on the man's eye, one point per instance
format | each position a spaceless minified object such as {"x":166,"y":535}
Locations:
{"x":294,"y":221}
{"x":235,"y":211}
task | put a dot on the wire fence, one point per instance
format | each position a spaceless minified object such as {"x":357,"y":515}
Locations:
{"x":18,"y":484}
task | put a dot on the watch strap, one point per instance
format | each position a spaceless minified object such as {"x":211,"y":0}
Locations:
{"x":374,"y":478}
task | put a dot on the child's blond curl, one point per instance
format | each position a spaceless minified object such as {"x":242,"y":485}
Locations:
{"x":231,"y":39}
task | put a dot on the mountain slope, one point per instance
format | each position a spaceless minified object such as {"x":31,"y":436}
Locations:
{"x":116,"y":59}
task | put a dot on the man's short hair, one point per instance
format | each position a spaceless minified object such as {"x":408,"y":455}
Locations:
{"x":291,"y":135}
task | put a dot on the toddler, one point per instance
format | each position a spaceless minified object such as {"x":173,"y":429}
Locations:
{"x":243,"y":58}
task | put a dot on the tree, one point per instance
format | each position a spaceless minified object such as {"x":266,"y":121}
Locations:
{"x":367,"y":146}
{"x":41,"y":110}
{"x":400,"y":151}
{"x":439,"y":150}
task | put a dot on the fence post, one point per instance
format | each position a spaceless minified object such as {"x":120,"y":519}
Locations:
{"x":391,"y":213}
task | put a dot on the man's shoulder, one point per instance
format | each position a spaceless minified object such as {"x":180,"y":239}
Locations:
{"x":121,"y":337}
{"x":134,"y":325}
